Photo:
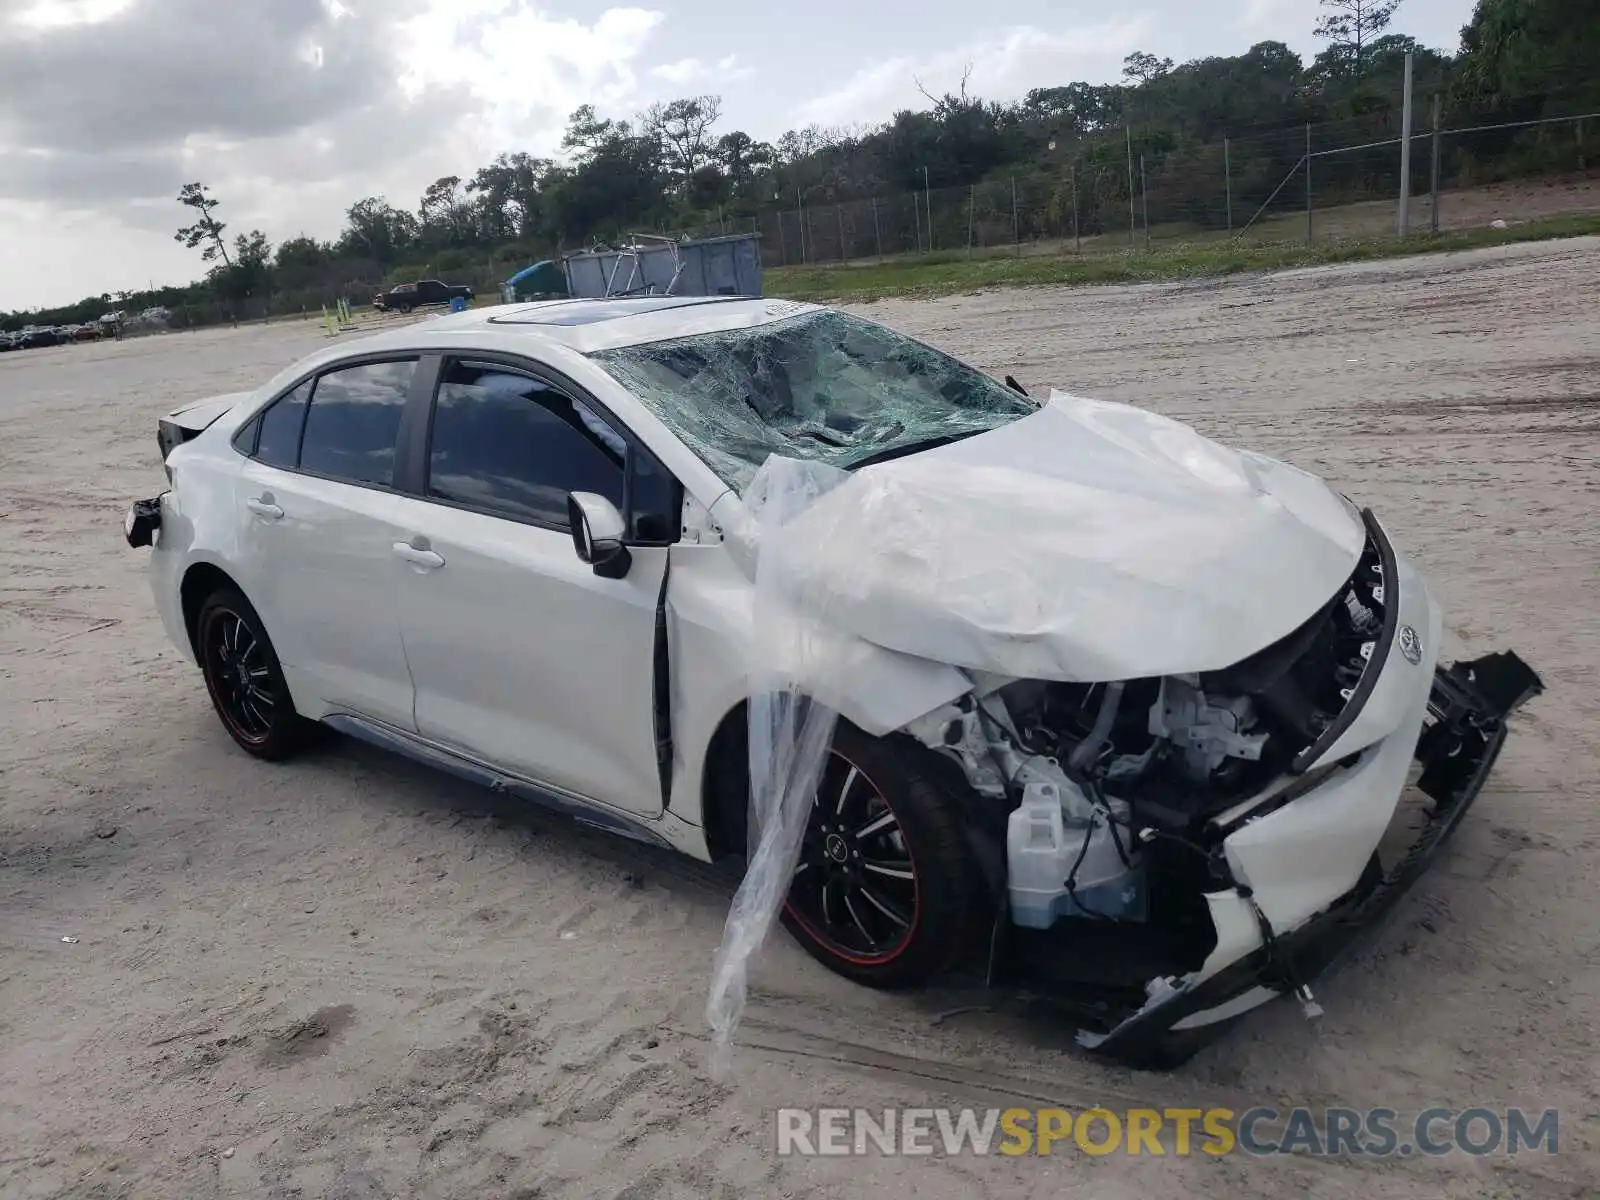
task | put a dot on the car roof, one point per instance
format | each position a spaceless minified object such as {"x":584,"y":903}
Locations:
{"x":587,"y":326}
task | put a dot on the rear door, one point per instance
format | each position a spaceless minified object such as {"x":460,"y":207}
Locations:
{"x":322,"y":517}
{"x":521,"y":655}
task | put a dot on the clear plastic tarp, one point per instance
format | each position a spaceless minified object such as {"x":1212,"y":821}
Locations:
{"x":792,"y":646}
{"x":1086,"y":541}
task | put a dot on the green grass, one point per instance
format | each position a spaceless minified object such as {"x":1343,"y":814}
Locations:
{"x":945,"y":273}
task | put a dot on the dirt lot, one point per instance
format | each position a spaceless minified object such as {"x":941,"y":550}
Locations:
{"x":350,"y":977}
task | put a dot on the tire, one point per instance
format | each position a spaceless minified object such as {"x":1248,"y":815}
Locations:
{"x":231,"y":644}
{"x":848,"y":905}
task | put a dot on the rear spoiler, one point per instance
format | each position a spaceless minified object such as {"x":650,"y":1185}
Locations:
{"x":193,"y":419}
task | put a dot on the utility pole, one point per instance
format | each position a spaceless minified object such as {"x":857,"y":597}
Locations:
{"x":1308,"y":184}
{"x":927,"y":203}
{"x":1016,"y":228}
{"x":1144,"y":195}
{"x":1133,"y":222}
{"x":1227,"y":179}
{"x":1432,"y":173}
{"x":1404,"y":220}
{"x":1077,"y":239}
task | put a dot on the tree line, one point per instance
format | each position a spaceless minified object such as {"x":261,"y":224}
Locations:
{"x":674,"y":166}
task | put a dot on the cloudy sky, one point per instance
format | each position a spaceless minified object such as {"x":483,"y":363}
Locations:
{"x":291,"y":109}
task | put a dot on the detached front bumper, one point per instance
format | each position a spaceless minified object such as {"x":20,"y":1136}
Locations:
{"x":1467,"y":708}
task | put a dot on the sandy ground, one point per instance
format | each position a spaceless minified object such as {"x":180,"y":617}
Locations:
{"x":350,"y":977}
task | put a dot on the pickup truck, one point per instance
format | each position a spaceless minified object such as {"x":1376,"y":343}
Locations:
{"x":406,"y":296}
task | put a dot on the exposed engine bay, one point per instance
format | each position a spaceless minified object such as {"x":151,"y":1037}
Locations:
{"x":1118,"y":794}
{"x":1176,"y":695}
{"x":1116,"y":802}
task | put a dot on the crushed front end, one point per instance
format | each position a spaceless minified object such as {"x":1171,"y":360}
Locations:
{"x":1178,"y":851}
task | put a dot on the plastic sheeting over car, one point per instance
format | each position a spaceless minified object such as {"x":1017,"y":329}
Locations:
{"x":790,"y":729}
{"x":1087,"y":541}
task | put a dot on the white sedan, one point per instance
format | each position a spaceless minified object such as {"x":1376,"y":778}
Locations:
{"x":1122,"y":712}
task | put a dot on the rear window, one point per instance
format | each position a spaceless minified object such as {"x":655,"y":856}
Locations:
{"x":278,"y":444}
{"x":354,"y":422}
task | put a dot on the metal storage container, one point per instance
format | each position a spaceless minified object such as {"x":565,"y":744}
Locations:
{"x":722,"y":266}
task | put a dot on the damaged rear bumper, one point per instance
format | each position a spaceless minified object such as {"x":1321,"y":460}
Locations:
{"x":1468,"y":706}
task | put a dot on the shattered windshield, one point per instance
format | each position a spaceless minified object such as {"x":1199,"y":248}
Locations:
{"x":820,"y":385}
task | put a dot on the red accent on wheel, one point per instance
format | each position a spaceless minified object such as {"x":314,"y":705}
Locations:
{"x":831,"y":945}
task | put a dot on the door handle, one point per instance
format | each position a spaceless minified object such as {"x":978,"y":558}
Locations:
{"x":263,"y":506}
{"x":419,"y":556}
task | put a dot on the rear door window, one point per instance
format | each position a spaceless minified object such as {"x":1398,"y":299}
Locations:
{"x":278,"y":444}
{"x":353,"y":422}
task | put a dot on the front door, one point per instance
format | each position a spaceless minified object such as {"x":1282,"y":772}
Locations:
{"x":521,"y":655}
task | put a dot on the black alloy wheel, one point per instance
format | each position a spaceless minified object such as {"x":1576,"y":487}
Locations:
{"x":885,"y":891}
{"x":855,"y":885}
{"x":244,"y":677}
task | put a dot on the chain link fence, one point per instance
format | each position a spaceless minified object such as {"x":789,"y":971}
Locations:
{"x":1511,"y":160}
{"x":1305,"y":184}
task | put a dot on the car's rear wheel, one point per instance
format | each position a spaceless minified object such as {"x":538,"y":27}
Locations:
{"x":886,"y":891}
{"x":244,"y":678}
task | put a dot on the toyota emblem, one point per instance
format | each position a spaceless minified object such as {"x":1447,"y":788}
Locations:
{"x":1410,"y":645}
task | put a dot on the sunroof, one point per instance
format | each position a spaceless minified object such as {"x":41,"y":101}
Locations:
{"x":588,"y":312}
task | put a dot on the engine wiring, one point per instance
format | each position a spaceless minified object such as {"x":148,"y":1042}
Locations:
{"x":1086,"y":782}
{"x":999,"y":731}
{"x":1072,"y":878}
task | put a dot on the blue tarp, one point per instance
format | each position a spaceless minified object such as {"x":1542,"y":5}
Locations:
{"x":528,"y":271}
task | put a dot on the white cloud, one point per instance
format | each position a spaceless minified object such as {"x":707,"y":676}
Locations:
{"x":729,"y":68}
{"x":1257,"y":11}
{"x":687,"y":71}
{"x":56,"y":257}
{"x":1004,"y":65}
{"x":61,"y":14}
{"x":526,"y":69}
{"x":444,"y":85}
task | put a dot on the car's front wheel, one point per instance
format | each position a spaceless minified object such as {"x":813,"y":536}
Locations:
{"x":244,"y":678}
{"x":886,"y":891}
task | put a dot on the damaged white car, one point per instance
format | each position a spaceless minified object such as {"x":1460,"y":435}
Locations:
{"x":1072,"y":695}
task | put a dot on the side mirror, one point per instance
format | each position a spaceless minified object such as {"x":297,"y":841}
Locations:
{"x":597,"y":531}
